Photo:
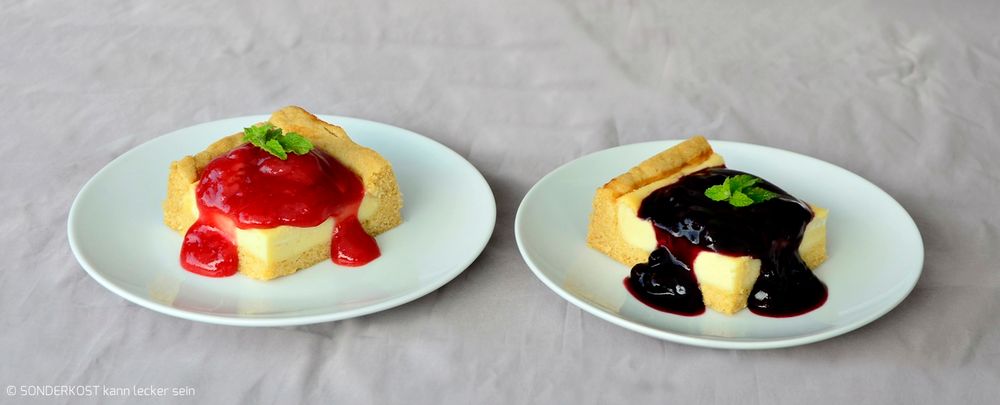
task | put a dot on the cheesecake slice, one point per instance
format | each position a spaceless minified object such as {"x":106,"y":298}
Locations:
{"x":684,"y":246}
{"x":276,"y":216}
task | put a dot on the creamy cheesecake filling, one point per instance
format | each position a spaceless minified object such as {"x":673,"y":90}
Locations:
{"x":638,"y":232}
{"x":284,"y":242}
{"x":726,"y":273}
{"x":273,"y":245}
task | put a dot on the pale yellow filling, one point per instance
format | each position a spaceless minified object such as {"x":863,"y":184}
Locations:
{"x":273,"y":245}
{"x":639,"y":232}
{"x":815,"y":233}
{"x":726,"y":272}
{"x":281,"y":243}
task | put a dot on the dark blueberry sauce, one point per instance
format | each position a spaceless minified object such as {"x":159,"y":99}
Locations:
{"x":687,"y":223}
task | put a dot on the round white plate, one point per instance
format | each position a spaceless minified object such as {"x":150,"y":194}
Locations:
{"x":117,"y":233}
{"x":875,"y":250}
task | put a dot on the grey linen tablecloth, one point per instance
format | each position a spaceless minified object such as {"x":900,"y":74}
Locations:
{"x":904,"y":93}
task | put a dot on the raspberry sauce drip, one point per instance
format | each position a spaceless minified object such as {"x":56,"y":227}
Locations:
{"x":248,"y":188}
{"x":687,"y":223}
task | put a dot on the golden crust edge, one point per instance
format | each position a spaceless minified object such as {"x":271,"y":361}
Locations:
{"x":603,"y":233}
{"x":691,"y":152}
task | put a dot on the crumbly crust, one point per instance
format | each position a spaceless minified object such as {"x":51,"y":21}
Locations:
{"x":603,"y":233}
{"x":375,"y":172}
{"x":253,"y":267}
{"x":726,"y":302}
{"x":662,"y":165}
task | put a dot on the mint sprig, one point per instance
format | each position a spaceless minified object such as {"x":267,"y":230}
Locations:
{"x":270,"y":138}
{"x":739,"y":191}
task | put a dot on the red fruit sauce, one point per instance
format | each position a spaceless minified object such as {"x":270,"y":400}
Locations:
{"x":248,"y":188}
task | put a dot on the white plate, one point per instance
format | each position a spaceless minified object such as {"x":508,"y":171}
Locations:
{"x":875,"y":250}
{"x":117,"y":233}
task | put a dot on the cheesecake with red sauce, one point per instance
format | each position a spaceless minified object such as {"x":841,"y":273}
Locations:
{"x":698,"y":234}
{"x":269,"y":206}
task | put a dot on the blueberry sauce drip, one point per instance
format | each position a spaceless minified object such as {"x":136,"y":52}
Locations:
{"x":687,"y":223}
{"x":666,"y":284}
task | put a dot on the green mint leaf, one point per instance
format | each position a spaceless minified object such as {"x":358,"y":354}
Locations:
{"x":273,"y":132}
{"x":718,"y":192}
{"x":256,"y":134}
{"x":740,"y":200}
{"x":295,"y":143}
{"x":740,"y":182}
{"x":759,"y":195}
{"x":270,"y":138}
{"x":275,"y":148}
{"x":738,"y":191}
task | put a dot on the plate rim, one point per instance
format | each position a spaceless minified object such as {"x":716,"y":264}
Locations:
{"x":228,"y":320}
{"x":709,"y":341}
